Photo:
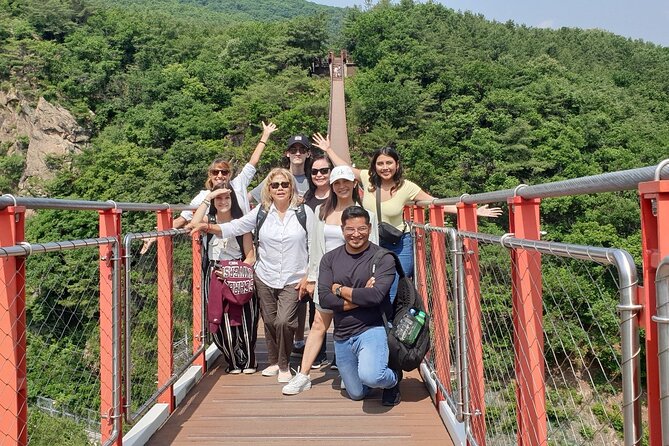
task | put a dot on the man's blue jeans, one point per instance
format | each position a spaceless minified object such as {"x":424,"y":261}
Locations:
{"x":404,"y":250}
{"x":363,"y":363}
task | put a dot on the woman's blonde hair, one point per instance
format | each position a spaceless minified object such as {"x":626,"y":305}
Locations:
{"x":266,"y":197}
{"x":214,"y":164}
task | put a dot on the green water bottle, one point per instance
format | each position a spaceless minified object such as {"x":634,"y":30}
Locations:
{"x":419,"y":321}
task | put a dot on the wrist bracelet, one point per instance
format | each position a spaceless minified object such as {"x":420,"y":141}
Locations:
{"x":207,"y":202}
{"x":262,"y":142}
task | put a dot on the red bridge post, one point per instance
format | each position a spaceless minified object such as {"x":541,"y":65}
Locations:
{"x":199,"y":334}
{"x":528,"y":325}
{"x":467,"y":221}
{"x":165,"y":323}
{"x":655,"y":243}
{"x":110,"y":226}
{"x":13,"y":386}
{"x":440,"y":300}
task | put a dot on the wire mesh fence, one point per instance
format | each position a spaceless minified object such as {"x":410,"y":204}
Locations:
{"x":143,"y":287}
{"x":581,"y":343}
{"x":62,"y":291}
{"x":439,"y":281}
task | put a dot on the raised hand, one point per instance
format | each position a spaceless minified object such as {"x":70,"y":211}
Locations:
{"x":267,"y":129}
{"x":320,"y":142}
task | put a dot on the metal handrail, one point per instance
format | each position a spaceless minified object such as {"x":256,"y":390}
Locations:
{"x":662,"y":320}
{"x":628,"y":308}
{"x":25,"y":249}
{"x":605,"y":182}
{"x":73,"y":205}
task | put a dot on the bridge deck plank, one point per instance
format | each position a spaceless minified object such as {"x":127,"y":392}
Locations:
{"x":250,"y":409}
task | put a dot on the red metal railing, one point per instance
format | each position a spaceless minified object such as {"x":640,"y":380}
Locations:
{"x":434,"y":280}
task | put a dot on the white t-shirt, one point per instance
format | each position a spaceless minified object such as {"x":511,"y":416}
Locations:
{"x":239,"y":184}
{"x":224,"y":248}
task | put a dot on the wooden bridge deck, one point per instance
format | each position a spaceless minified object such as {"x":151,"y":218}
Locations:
{"x":250,"y":409}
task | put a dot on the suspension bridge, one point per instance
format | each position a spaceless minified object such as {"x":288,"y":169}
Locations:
{"x":534,"y":342}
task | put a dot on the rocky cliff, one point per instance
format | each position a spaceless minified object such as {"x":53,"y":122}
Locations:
{"x":41,"y":133}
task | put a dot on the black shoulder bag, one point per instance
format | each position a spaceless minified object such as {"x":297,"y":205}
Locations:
{"x":387,"y":232}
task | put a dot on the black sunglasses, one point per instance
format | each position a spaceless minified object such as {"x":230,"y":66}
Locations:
{"x":299,"y":149}
{"x":283,"y":184}
{"x":322,"y":171}
{"x":223,"y":172}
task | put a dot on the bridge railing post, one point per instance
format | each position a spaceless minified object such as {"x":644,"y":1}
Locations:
{"x":199,"y":330}
{"x":655,"y":246}
{"x":440,"y":312}
{"x":13,"y":385}
{"x":110,"y":330}
{"x":528,"y":325}
{"x":165,"y":321}
{"x":420,"y":253}
{"x":475,"y":413}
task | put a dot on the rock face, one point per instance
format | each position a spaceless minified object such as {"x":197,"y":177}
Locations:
{"x":41,"y":133}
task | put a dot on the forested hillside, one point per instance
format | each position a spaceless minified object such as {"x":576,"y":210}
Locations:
{"x":164,"y":86}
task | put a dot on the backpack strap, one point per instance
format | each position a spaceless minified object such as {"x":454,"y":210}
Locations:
{"x":206,"y":239}
{"x":302,"y":218}
{"x":260,"y":219}
{"x":378,"y":255}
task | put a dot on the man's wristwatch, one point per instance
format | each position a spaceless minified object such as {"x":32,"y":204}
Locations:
{"x":338,"y":290}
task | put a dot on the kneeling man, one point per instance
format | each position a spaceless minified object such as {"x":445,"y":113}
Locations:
{"x":346,"y":286}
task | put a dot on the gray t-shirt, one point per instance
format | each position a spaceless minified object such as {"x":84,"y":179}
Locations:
{"x":353,"y":270}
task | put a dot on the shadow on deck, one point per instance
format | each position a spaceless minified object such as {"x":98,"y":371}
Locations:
{"x":250,"y":409}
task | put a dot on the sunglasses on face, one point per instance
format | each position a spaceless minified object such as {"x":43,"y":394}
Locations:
{"x":295,"y":150}
{"x":283,"y":184}
{"x":215,"y":172}
{"x":322,"y":171}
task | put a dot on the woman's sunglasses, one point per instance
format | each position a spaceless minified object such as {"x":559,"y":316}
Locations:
{"x":322,"y":171}
{"x":283,"y":184}
{"x":215,"y":172}
{"x":298,"y":149}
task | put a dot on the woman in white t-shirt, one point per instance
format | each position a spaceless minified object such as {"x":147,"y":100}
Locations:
{"x":236,"y":335}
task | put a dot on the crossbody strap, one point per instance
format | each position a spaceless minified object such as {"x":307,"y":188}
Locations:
{"x":378,"y":209}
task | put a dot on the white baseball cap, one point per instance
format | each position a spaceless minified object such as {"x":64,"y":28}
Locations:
{"x":342,"y":172}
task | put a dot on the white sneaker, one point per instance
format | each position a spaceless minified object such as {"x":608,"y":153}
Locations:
{"x":342,"y":386}
{"x":284,"y":377}
{"x":249,"y":371}
{"x":299,"y":383}
{"x":272,"y":370}
{"x":235,"y":371}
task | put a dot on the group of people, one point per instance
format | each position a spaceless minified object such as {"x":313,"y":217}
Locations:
{"x":311,"y":238}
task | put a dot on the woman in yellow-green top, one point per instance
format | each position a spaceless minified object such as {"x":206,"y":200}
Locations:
{"x":386,"y":173}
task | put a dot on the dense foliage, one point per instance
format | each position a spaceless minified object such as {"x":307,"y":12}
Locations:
{"x":167,"y":85}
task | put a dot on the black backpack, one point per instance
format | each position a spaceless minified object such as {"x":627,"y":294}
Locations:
{"x":401,"y":356}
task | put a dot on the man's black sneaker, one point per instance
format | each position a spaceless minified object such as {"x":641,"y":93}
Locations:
{"x":333,"y":366}
{"x":298,"y":348}
{"x":321,"y":361}
{"x":392,"y":396}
